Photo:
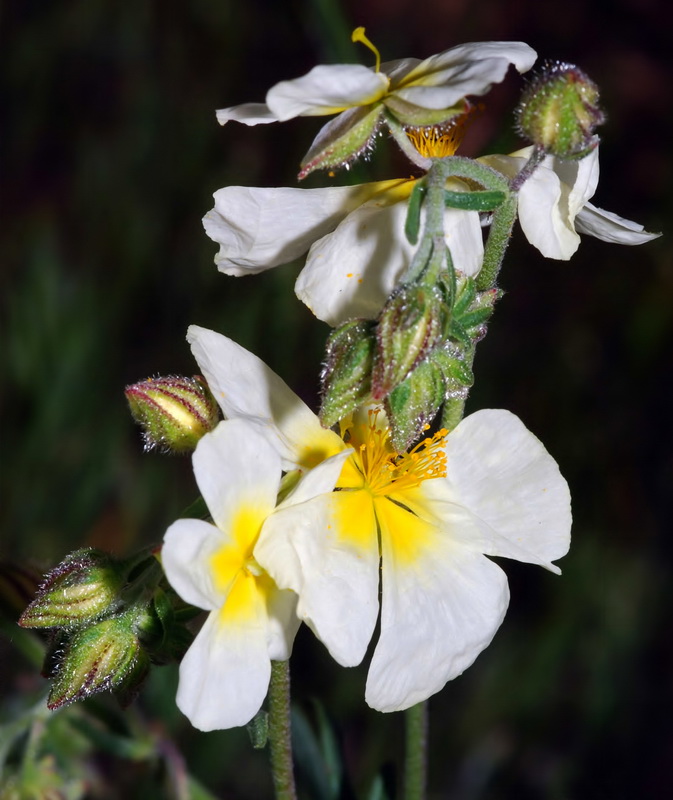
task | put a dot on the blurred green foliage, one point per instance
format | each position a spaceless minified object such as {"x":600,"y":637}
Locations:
{"x":110,"y":152}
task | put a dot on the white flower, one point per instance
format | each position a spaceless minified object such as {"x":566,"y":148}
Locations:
{"x":413,"y":92}
{"x":225,"y":674}
{"x":358,"y":248}
{"x":554,"y":205}
{"x":488,"y":488}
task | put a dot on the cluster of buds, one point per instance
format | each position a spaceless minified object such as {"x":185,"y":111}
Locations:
{"x":110,"y":620}
{"x":412,"y":359}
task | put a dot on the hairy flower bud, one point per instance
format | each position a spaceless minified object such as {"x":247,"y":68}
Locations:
{"x":413,"y":404}
{"x":85,"y":586}
{"x":346,"y":376}
{"x":104,"y":656}
{"x":174,"y":412}
{"x":559,"y":110}
{"x":409,"y":326}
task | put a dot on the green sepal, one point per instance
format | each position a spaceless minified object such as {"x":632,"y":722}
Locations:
{"x":413,"y":222}
{"x":258,"y":730}
{"x":474,"y":201}
{"x":342,"y":140}
{"x":409,"y":115}
{"x":346,"y":376}
{"x":455,"y":370}
{"x":414,"y":404}
{"x":466,"y":294}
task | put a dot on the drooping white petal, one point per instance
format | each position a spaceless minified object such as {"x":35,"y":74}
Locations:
{"x":437,"y":614}
{"x":326,"y":551}
{"x":352,"y":271}
{"x":224,"y":675}
{"x":247,"y":113}
{"x":517,"y":501}
{"x":471,"y":69}
{"x":235,"y":467}
{"x":262,"y":228}
{"x":610,"y":227}
{"x":189,"y":545}
{"x":326,"y":89}
{"x":245,"y":387}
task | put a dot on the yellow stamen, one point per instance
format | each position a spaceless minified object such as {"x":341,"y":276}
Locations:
{"x":358,"y":35}
{"x":440,"y":141}
{"x":384,"y":471}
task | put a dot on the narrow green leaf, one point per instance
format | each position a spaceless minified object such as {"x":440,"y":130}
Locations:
{"x":413,"y":222}
{"x":474,"y":201}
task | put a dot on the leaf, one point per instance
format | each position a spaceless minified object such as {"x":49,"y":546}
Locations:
{"x":413,"y":221}
{"x":474,"y":201}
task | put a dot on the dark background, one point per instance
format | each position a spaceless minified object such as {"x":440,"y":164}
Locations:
{"x":110,"y":155}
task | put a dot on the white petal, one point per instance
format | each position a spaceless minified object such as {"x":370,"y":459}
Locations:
{"x":247,"y":113}
{"x":189,"y":544}
{"x":282,"y":624}
{"x":437,"y":615}
{"x":611,"y":228}
{"x":262,"y":228}
{"x":502,"y":475}
{"x":471,"y":69}
{"x":236,"y":467}
{"x":245,"y":387}
{"x":304,"y":548}
{"x":326,"y":90}
{"x":224,"y":676}
{"x":352,"y":271}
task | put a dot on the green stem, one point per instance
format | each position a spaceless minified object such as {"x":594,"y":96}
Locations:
{"x":496,"y":244}
{"x":416,"y":757}
{"x":280,"y":731}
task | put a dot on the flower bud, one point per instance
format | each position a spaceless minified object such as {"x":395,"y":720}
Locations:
{"x":559,"y":110}
{"x":413,"y":404}
{"x":85,"y":586}
{"x":174,"y":412}
{"x":346,"y":376}
{"x":409,"y":326}
{"x":105,"y":656}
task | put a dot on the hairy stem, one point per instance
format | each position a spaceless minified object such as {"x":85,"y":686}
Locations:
{"x":416,"y":755}
{"x":280,"y":731}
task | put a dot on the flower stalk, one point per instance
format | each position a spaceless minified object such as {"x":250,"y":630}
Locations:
{"x":280,"y":732}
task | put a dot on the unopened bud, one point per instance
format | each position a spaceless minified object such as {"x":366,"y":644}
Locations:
{"x":413,"y":404}
{"x":346,"y":376}
{"x":559,"y":111}
{"x":102,"y":657}
{"x":85,"y":586}
{"x":174,"y":412}
{"x":409,"y":326}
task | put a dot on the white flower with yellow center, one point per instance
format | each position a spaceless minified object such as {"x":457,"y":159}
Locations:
{"x":429,"y":518}
{"x":357,"y":248}
{"x":225,"y":674}
{"x":554,"y":205}
{"x":410,"y":92}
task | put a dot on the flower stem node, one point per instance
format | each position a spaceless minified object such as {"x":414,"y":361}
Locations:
{"x":346,"y":375}
{"x":559,"y":111}
{"x":410,"y":325}
{"x":84,"y":587}
{"x":174,"y":412}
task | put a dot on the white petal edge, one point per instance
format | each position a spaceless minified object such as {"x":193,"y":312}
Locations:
{"x":245,"y":387}
{"x":224,"y":676}
{"x":610,"y":227}
{"x":501,"y":474}
{"x":189,"y":544}
{"x":326,"y":89}
{"x":336,"y":580}
{"x":261,"y":228}
{"x":247,"y":113}
{"x":236,"y":467}
{"x":437,"y":615}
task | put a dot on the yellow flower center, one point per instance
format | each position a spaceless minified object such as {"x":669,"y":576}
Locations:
{"x":381,"y":470}
{"x":440,"y":141}
{"x":358,"y":35}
